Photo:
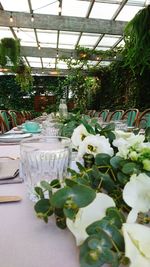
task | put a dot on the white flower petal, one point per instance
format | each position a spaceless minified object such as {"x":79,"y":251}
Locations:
{"x":100,"y":144}
{"x":137,"y":244}
{"x":78,"y":134}
{"x":136,"y":192}
{"x":93,"y":212}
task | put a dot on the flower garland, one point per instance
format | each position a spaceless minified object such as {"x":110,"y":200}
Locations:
{"x":106,"y":205}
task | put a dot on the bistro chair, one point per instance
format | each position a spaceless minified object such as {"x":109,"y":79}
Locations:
{"x":103,"y":114}
{"x":130,"y":116}
{"x":4,"y":114}
{"x":91,"y":112}
{"x":13,"y":117}
{"x":116,"y":115}
{"x":143,"y":120}
{"x":3,"y":126}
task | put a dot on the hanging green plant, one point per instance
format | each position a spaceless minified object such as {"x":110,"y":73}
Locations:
{"x":137,"y":40}
{"x":23,"y":76}
{"x":9,"y":52}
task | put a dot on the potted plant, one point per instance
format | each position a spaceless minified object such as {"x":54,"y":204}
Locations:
{"x":9,"y":52}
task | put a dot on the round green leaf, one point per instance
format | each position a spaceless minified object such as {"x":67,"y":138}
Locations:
{"x":42,"y":206}
{"x":130,"y":168}
{"x":102,"y":159}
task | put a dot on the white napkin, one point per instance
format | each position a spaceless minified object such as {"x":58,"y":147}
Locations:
{"x":7,"y":170}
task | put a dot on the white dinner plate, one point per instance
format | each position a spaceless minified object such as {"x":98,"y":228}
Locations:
{"x":13,"y":137}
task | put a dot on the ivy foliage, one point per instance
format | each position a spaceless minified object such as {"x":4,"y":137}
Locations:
{"x":137,"y":39}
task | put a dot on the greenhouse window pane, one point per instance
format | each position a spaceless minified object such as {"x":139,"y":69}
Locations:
{"x":35,"y":65}
{"x":48,"y":60}
{"x":45,"y":7}
{"x":103,"y":11}
{"x":5,"y":33}
{"x":87,"y":39}
{"x":68,"y":38}
{"x":104,"y":48}
{"x":65,"y":46}
{"x":34,"y":59}
{"x":25,"y":35}
{"x":109,"y":40}
{"x":23,"y":43}
{"x":47,"y":36}
{"x":128,"y":12}
{"x":15,"y":5}
{"x":75,"y":8}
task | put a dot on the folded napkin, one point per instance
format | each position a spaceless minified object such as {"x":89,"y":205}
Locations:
{"x":9,"y":172}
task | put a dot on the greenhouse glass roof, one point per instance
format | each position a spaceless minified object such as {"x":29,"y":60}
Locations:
{"x":49,"y":29}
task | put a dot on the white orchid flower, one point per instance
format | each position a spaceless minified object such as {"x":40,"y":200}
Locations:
{"x":85,"y":216}
{"x":95,"y":144}
{"x":136,"y":194}
{"x":137,"y":244}
{"x":78,"y":135}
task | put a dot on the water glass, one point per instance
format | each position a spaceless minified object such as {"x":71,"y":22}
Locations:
{"x":44,"y":158}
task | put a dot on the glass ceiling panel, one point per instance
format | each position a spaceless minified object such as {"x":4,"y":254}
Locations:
{"x":48,"y":60}
{"x":102,"y":48}
{"x":88,"y":39}
{"x":109,"y":40}
{"x":65,"y":46}
{"x":15,"y":5}
{"x":34,"y":59}
{"x":74,"y":8}
{"x":128,"y":12}
{"x":45,"y":7}
{"x":25,"y":35}
{"x":103,"y":11}
{"x":35,"y":64}
{"x":47,"y":38}
{"x":68,"y":37}
{"x":5,"y":32}
{"x":122,"y":43}
{"x":136,"y":2}
{"x":28,"y":43}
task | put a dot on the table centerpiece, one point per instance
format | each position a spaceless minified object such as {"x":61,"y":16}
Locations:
{"x":105,"y":201}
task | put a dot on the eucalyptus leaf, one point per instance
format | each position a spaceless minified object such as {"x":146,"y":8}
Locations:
{"x":116,"y":162}
{"x":43,"y":206}
{"x":78,"y":194}
{"x":130,"y":168}
{"x":46,"y":185}
{"x":102,"y":159}
{"x":39,"y":191}
{"x":115,"y":217}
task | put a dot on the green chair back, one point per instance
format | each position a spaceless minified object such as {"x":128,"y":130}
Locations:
{"x":5,"y":118}
{"x":14,"y":117}
{"x":130,"y":116}
{"x":116,"y":115}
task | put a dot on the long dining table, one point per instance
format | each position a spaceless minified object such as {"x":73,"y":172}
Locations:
{"x":25,"y":240}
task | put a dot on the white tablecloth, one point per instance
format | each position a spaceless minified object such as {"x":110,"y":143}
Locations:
{"x":26,"y":241}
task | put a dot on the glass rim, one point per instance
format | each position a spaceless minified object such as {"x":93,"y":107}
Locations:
{"x":50,"y":137}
